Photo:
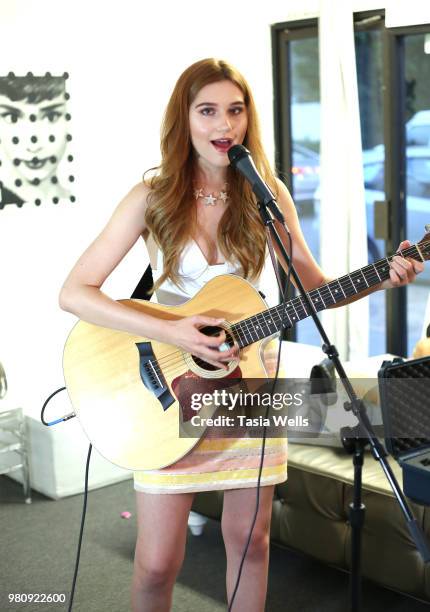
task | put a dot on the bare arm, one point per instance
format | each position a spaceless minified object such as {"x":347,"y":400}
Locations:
{"x":82,"y":296}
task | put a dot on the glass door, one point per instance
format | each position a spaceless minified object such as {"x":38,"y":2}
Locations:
{"x":393,"y":72}
{"x":305,"y":143}
{"x":416,"y":48}
{"x":369,"y":62}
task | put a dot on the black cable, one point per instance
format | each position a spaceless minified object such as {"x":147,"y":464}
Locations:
{"x":46,"y":403}
{"x":61,"y":419}
{"x":260,"y":470}
{"x":84,"y":510}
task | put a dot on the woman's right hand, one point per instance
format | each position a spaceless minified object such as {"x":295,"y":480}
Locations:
{"x":185,"y":333}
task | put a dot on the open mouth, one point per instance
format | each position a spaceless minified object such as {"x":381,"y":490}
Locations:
{"x":222,"y":145}
{"x":35,"y":163}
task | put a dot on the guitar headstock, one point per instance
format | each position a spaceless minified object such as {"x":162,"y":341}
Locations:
{"x":424,"y":244}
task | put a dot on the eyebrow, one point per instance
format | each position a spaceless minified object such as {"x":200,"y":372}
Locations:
{"x":18,"y":110}
{"x":52,"y":106}
{"x":10,"y":108}
{"x":237,"y":103}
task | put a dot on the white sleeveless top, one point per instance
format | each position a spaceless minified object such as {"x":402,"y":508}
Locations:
{"x":194,"y":272}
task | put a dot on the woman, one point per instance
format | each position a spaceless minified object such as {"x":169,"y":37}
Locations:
{"x":199,"y":219}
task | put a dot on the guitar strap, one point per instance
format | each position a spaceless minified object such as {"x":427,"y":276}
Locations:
{"x":144,"y":288}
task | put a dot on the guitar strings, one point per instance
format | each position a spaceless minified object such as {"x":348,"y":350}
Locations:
{"x":241,"y":329}
{"x":172,"y":359}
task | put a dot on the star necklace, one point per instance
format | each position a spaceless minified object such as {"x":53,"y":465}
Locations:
{"x":211,"y":199}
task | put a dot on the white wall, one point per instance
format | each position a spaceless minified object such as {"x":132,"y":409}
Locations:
{"x":123,"y":59}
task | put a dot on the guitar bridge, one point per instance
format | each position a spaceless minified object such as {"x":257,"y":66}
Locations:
{"x":151,"y":375}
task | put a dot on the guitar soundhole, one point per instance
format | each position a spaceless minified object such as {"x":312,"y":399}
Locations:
{"x":228,"y":344}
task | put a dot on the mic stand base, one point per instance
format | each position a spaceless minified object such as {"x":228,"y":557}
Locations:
{"x":357,"y":513}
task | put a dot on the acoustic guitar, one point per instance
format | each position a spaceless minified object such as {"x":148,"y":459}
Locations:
{"x":126,"y":389}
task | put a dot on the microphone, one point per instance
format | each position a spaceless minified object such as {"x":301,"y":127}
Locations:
{"x":240,"y":158}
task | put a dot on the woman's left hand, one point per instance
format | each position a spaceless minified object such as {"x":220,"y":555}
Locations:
{"x":402,"y":270}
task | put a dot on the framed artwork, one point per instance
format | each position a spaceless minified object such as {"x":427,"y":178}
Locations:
{"x":35,"y":158}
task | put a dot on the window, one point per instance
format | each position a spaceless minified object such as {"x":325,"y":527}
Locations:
{"x":393,"y":73}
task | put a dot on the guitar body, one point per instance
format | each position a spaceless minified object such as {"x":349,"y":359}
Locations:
{"x":109,"y":374}
{"x":125,"y":389}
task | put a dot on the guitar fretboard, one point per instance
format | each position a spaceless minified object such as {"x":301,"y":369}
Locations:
{"x":269,"y":322}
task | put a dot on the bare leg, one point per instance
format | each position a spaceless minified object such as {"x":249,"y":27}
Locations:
{"x":160,"y":549}
{"x":238,"y":511}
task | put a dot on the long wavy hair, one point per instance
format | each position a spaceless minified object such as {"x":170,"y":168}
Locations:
{"x":171,"y":211}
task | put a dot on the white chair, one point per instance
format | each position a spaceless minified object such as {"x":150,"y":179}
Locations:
{"x":13,"y":441}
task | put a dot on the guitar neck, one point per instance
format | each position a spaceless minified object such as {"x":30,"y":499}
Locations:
{"x":269,"y":322}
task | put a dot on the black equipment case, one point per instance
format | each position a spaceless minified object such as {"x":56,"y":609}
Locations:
{"x":404,"y":390}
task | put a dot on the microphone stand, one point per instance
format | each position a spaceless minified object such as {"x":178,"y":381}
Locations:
{"x":354,"y":439}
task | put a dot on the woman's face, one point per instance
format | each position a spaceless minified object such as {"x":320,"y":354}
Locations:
{"x":218,"y":120}
{"x":33,"y":136}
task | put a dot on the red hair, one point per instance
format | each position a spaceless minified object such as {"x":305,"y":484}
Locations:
{"x":170,"y":214}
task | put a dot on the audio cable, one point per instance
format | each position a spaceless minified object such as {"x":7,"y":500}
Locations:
{"x":84,"y":507}
{"x":263,"y":446}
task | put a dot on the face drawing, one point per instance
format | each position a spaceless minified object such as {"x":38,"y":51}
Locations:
{"x":33,"y":137}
